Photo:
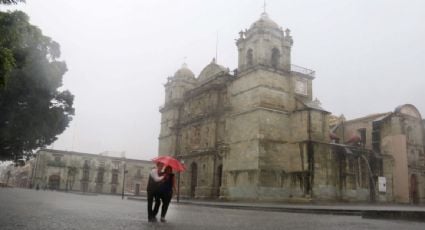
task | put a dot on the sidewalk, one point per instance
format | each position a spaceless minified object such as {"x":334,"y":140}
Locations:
{"x":376,"y":211}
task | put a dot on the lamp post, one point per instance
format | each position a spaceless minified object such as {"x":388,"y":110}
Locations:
{"x":178,"y":184}
{"x":123,"y":181}
{"x":8,"y":176}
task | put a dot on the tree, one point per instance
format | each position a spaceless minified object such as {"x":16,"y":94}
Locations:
{"x":6,"y":58}
{"x":33,"y":111}
{"x":9,"y":2}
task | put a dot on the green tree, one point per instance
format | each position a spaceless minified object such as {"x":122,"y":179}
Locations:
{"x":9,"y":2}
{"x":33,"y":111}
{"x":6,"y":57}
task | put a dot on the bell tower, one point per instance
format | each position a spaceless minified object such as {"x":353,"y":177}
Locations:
{"x":175,"y":88}
{"x":271,"y":118}
{"x":265,"y":44}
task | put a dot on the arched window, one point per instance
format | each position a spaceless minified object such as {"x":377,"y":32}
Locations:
{"x":409,"y":135}
{"x":249,"y":57}
{"x":275,"y":57}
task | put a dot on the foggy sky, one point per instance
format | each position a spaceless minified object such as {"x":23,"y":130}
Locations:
{"x":369,"y":57}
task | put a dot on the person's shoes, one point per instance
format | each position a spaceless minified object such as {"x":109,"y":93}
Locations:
{"x":152,"y":220}
{"x":163,"y":220}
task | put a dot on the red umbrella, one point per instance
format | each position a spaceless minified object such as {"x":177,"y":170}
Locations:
{"x":170,"y":161}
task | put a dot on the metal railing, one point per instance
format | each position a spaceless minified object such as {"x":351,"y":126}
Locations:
{"x":303,"y":70}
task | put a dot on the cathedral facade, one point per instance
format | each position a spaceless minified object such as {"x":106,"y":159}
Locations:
{"x":257,"y":134}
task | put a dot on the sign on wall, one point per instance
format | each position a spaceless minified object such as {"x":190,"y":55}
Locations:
{"x":382,"y":184}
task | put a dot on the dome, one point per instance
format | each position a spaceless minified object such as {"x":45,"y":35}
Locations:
{"x":184,"y":73}
{"x":265,"y":22}
{"x":211,"y":70}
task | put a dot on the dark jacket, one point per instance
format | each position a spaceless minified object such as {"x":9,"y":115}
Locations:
{"x":167,"y":185}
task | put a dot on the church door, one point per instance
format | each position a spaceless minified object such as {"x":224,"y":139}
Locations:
{"x":219,"y":177}
{"x":194,"y":179}
{"x":54,"y":182}
{"x":414,"y":198}
{"x":137,"y":191}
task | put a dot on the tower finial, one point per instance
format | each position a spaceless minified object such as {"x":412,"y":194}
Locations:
{"x":184,"y":65}
{"x":264,"y":14}
{"x":216,"y":48}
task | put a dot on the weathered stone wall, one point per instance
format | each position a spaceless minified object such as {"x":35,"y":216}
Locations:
{"x":57,"y":163}
{"x":202,"y":172}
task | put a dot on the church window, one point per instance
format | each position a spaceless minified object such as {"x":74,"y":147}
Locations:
{"x":114,"y":176}
{"x":275,"y":57}
{"x":86,"y":171}
{"x":249,"y":57}
{"x":362,"y":133}
{"x":115,"y":164}
{"x":196,"y":135}
{"x":100,"y":173}
{"x":409,"y":135}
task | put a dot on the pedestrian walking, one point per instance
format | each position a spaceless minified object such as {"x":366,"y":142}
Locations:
{"x":153,"y":191}
{"x":166,"y":190}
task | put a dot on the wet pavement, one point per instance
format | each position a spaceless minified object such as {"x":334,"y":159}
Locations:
{"x":31,"y":209}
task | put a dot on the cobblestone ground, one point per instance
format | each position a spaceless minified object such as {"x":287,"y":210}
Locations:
{"x":31,"y":209}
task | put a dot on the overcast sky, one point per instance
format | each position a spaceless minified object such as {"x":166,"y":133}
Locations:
{"x":369,"y":57}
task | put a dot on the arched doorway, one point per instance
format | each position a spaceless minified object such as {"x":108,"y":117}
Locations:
{"x":54,"y":182}
{"x":194,"y":179}
{"x":219,"y":177}
{"x":414,"y":196}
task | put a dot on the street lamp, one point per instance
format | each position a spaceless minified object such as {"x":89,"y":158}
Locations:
{"x":178,"y":184}
{"x":123,"y":181}
{"x":8,"y":176}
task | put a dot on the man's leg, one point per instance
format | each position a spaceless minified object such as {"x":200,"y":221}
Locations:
{"x":166,"y":199}
{"x":150,"y":201}
{"x":157,"y":204}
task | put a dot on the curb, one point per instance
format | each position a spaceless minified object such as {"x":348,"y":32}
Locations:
{"x":395,"y":215}
{"x":342,"y":212}
{"x":418,"y":216}
{"x":349,"y":212}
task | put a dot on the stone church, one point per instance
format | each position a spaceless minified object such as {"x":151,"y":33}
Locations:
{"x":257,"y":134}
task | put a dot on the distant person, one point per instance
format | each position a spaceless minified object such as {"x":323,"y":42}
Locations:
{"x":166,"y":189}
{"x":37,"y":187}
{"x":153,"y":191}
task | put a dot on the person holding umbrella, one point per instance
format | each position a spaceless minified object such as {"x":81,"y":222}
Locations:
{"x":166,"y":190}
{"x":153,"y":191}
{"x":168,"y":185}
